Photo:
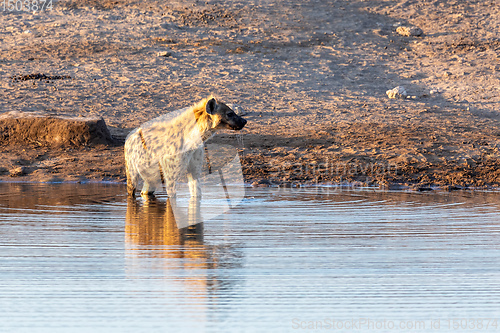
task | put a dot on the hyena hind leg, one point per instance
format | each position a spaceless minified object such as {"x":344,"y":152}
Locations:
{"x":168,"y":166}
{"x":131,"y":180}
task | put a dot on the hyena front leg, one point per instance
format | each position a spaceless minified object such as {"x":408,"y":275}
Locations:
{"x":152,"y":178}
{"x":194,"y":170}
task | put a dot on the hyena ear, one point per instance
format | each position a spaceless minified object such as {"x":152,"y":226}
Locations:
{"x":211,"y":106}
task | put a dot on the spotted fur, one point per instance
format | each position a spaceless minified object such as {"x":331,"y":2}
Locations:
{"x":164,"y":148}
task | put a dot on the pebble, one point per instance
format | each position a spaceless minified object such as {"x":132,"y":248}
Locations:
{"x":19,"y":171}
{"x":238,"y":109}
{"x":409,"y":31}
{"x":261,"y":183}
{"x":164,"y":54}
{"x":398,"y":92}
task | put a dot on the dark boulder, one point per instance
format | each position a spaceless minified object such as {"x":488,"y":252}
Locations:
{"x":51,"y":130}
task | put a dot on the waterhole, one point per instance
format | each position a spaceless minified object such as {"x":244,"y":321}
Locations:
{"x":85,"y":258}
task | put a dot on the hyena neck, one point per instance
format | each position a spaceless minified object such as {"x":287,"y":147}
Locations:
{"x":206,"y":123}
{"x":207,"y":134}
{"x":205,"y":126}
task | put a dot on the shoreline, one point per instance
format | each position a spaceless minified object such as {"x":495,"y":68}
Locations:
{"x":265,"y":183}
{"x":284,"y":163}
{"x":345,"y":186}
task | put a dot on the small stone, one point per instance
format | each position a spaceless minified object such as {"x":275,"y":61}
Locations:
{"x":238,"y":109}
{"x":409,"y":31}
{"x":451,"y":188}
{"x":164,"y":54}
{"x":424,"y":188}
{"x":19,"y":171}
{"x":264,"y":182}
{"x":398,"y":92}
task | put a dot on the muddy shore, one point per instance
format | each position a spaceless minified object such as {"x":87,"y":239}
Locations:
{"x":312,"y":77}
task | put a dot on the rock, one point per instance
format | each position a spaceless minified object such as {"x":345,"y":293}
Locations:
{"x":451,"y":188}
{"x":44,"y":129}
{"x":261,"y":183}
{"x":238,"y":109}
{"x":398,"y":92}
{"x":19,"y":171}
{"x":409,"y":31}
{"x":264,"y":182}
{"x":424,"y":188}
{"x":164,"y":54}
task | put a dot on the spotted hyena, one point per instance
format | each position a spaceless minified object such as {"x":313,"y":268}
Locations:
{"x":166,"y":147}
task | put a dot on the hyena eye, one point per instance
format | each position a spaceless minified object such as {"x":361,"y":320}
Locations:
{"x":230,"y":114}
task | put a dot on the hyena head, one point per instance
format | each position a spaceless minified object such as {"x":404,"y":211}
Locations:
{"x":223,"y":117}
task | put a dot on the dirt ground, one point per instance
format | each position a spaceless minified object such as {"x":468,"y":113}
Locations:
{"x":312,"y":76}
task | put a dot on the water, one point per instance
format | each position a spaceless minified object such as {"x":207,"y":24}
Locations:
{"x":83,"y":258}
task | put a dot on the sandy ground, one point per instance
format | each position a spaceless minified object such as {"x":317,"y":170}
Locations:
{"x":311,"y":74}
